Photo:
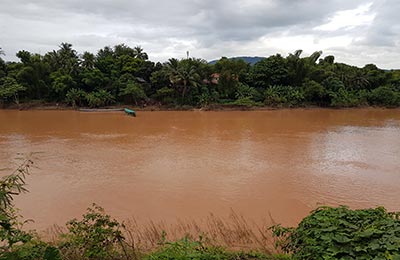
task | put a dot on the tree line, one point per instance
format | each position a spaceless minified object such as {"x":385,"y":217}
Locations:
{"x":125,"y":75}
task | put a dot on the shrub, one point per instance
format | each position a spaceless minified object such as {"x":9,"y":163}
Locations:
{"x":314,"y":92}
{"x":284,"y":96}
{"x":244,"y":102}
{"x":348,"y":98}
{"x":165,"y":95}
{"x":244,"y":91}
{"x":32,"y":250}
{"x":10,"y":186}
{"x":99,"y":98}
{"x":134,"y":91}
{"x":385,"y":95}
{"x":341,"y":233}
{"x":96,"y":236}
{"x":333,"y":84}
{"x":196,"y":250}
{"x":75,"y":97}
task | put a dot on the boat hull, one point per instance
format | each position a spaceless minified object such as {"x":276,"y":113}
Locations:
{"x":100,"y":109}
{"x":130,"y":112}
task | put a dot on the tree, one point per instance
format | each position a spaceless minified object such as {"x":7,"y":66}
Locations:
{"x":314,"y":57}
{"x":134,"y":91}
{"x":296,"y":68}
{"x":333,"y":84}
{"x":33,"y":74}
{"x":24,"y":56}
{"x":183,"y":75}
{"x":314,"y":92}
{"x":270,"y":71}
{"x":61,"y":84}
{"x":68,"y":58}
{"x":88,"y":60}
{"x":92,"y":79}
{"x":11,"y":186}
{"x":9,"y":88}
{"x":124,"y":50}
{"x":160,"y":79}
{"x":65,"y":59}
{"x":2,"y":65}
{"x":138,"y":52}
{"x":231,"y":72}
{"x":375,"y":76}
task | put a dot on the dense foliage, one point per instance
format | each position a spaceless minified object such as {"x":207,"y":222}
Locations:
{"x":124,"y":75}
{"x":341,"y":233}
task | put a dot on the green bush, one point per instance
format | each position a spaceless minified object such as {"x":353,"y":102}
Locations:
{"x":244,"y":91}
{"x":96,"y":236}
{"x":9,"y":89}
{"x":10,"y":227}
{"x":314,"y":92}
{"x":385,"y":96}
{"x":99,"y":98}
{"x":134,"y":91}
{"x":165,"y":95}
{"x":196,"y":250}
{"x":244,"y":102}
{"x":333,"y":84}
{"x":75,"y":97}
{"x":32,"y":250}
{"x":342,"y":233}
{"x":284,"y":96}
{"x":348,"y":98}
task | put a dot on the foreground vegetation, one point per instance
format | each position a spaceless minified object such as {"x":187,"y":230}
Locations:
{"x":327,"y":233}
{"x":124,"y":75}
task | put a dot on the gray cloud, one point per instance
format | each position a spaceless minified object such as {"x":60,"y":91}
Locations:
{"x":206,"y":28}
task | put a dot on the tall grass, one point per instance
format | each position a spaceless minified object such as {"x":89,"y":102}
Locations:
{"x":234,"y":232}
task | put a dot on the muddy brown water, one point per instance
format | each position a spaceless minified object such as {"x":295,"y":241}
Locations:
{"x":169,"y":165}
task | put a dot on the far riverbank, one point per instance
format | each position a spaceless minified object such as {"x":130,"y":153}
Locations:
{"x":212,"y":107}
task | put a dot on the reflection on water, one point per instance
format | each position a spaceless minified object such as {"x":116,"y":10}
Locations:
{"x":164,"y":165}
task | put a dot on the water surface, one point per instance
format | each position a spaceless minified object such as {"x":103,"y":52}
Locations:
{"x":168,"y":165}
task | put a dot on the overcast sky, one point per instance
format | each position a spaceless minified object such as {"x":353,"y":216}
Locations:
{"x":356,"y":32}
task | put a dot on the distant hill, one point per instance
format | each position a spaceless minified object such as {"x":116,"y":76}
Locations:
{"x":251,"y":60}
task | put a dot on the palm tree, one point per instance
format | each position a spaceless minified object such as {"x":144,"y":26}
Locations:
{"x":315,"y":56}
{"x":88,"y":60}
{"x":183,"y":74}
{"x":138,"y":50}
{"x":68,"y":58}
{"x":2,"y":52}
{"x":172,"y":65}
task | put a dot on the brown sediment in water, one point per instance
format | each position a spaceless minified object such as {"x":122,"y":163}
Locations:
{"x":169,"y":165}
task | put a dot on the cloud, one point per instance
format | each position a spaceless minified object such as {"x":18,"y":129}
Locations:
{"x":349,"y":19}
{"x":208,"y":29}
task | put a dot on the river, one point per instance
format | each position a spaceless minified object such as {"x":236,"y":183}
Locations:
{"x":168,"y":165}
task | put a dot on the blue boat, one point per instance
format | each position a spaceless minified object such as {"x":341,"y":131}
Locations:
{"x":130,"y":112}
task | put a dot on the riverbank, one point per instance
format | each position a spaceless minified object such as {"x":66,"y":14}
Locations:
{"x":212,"y":107}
